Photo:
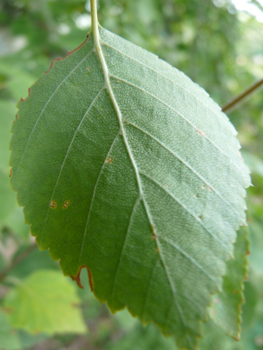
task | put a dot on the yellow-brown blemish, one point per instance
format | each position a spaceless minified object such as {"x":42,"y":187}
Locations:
{"x":109,"y":160}
{"x":157,"y":250}
{"x":66,"y":204}
{"x":201,"y":133}
{"x":11,"y":172}
{"x":53,"y":204}
{"x":154,"y":235}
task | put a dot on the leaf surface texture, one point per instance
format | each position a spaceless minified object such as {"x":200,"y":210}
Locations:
{"x":131,"y":170}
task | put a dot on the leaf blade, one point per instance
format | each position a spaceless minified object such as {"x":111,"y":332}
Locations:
{"x":134,"y":168}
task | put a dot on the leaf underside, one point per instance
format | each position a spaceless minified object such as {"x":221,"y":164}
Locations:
{"x":226,"y":307}
{"x":144,"y":185}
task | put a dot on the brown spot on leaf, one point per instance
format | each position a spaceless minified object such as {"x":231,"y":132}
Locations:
{"x":11,"y":172}
{"x":157,"y":250}
{"x":66,"y":204}
{"x":201,"y":133}
{"x":248,"y":252}
{"x":109,"y":160}
{"x":53,"y":204}
{"x":154,"y":235}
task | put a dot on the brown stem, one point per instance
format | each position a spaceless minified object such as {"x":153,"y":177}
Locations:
{"x":17,"y":260}
{"x":242,"y":96}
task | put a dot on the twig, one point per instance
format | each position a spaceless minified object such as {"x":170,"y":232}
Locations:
{"x":17,"y":260}
{"x":242,"y":96}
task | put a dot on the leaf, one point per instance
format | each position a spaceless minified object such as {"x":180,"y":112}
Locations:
{"x":127,"y":167}
{"x":215,"y":339}
{"x":8,"y":340}
{"x":256,"y":233}
{"x":10,"y":214}
{"x":16,"y":223}
{"x":254,"y":162}
{"x":8,"y":199}
{"x":45,"y":302}
{"x":18,"y":80}
{"x":11,"y":339}
{"x":226,"y":308}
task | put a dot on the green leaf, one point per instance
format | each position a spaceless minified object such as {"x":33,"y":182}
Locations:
{"x":256,"y":259}
{"x":254,"y":162}
{"x":11,"y":339}
{"x":8,"y":339}
{"x":18,"y":80}
{"x":127,"y":167}
{"x":45,"y":302}
{"x":10,"y":214}
{"x":8,"y":199}
{"x":226,"y":308}
{"x":16,"y":222}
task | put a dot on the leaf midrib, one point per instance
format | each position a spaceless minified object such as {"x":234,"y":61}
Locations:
{"x":97,"y":42}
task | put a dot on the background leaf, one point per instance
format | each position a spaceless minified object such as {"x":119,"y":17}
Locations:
{"x":45,"y":302}
{"x":226,"y":308}
{"x":8,"y":340}
{"x":8,"y":199}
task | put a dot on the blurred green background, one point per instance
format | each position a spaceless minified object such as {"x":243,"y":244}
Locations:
{"x":221,"y":49}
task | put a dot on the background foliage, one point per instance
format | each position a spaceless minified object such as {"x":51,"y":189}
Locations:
{"x":219,"y":48}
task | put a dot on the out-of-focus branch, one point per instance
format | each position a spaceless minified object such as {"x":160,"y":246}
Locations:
{"x":240,"y":98}
{"x":17,"y":260}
